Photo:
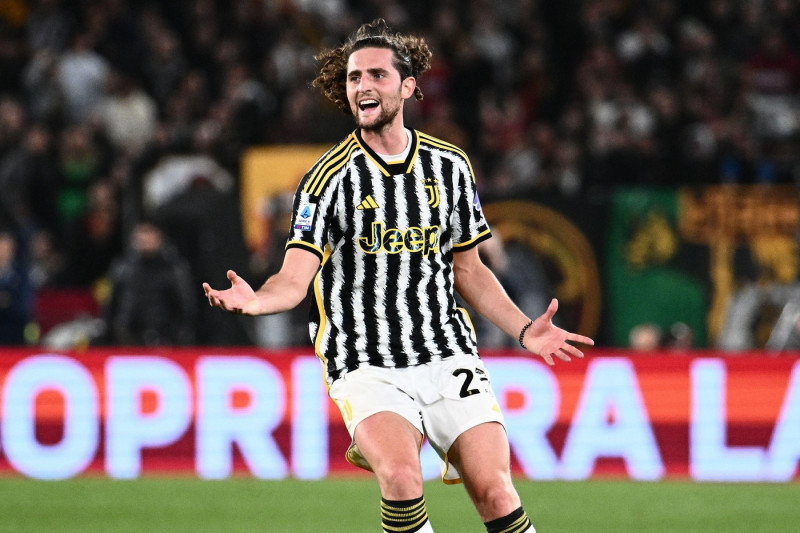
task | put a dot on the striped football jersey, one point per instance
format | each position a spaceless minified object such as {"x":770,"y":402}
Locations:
{"x":386,"y":233}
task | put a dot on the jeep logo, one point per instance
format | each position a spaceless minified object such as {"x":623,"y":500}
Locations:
{"x":393,"y":241}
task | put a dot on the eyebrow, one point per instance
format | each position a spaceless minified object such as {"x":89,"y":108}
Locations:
{"x":375,"y":70}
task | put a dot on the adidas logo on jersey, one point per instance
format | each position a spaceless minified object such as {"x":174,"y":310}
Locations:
{"x":367,"y":203}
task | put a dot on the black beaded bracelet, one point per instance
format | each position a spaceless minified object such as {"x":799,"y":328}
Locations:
{"x":522,"y":333}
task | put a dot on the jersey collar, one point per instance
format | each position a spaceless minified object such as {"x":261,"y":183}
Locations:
{"x":395,"y":169}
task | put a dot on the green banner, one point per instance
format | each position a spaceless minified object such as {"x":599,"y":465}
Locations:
{"x":653,"y":286}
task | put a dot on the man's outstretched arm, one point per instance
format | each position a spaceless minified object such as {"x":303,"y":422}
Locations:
{"x":280,"y":292}
{"x":483,"y":292}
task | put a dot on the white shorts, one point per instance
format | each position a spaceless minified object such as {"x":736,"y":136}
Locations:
{"x":441,"y":399}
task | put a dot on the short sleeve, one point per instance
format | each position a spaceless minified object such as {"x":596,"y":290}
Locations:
{"x":469,"y":225}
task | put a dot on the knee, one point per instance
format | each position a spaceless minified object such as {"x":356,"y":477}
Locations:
{"x":400,"y":481}
{"x":496,"y":499}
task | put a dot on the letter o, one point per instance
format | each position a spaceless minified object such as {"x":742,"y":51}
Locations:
{"x":79,"y":444}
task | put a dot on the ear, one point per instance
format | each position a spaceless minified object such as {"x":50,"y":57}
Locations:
{"x":407,"y":87}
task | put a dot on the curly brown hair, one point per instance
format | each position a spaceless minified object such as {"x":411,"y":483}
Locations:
{"x":412,"y":58}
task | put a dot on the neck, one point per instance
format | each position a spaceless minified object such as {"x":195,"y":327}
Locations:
{"x":389,"y":140}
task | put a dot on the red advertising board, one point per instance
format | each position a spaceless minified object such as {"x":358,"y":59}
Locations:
{"x":216,"y":413}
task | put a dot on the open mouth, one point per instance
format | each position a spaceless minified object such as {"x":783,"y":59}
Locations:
{"x":364,"y":105}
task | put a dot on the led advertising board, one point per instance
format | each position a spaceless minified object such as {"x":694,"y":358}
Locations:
{"x":216,"y":413}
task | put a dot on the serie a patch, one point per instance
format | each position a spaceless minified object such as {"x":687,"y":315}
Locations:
{"x":305,"y":216}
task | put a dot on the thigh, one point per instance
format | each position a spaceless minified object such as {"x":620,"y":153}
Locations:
{"x":379,"y":415}
{"x":390,"y":445}
{"x":388,"y":442}
{"x":482,"y":452}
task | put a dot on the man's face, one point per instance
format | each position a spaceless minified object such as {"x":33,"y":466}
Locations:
{"x":374,"y":88}
{"x":7,"y":249}
{"x":147,"y":239}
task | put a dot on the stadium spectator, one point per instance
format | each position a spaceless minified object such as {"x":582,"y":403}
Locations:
{"x":15,"y":292}
{"x":151,"y":299}
{"x":646,"y":337}
{"x":164,"y":66}
{"x":95,"y":237}
{"x":12,"y":122}
{"x":29,"y":180}
{"x":771,"y":81}
{"x":46,"y":263}
{"x":40,"y":80}
{"x":81,"y":162}
{"x":127,"y":114}
{"x":773,"y":68}
{"x":82,"y":75}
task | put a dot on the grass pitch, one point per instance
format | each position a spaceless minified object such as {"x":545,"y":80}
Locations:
{"x":155,"y":505}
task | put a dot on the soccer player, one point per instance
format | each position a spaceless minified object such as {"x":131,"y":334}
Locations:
{"x":386,"y":225}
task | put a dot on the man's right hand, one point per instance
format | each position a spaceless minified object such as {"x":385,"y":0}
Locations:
{"x":280,"y":292}
{"x":240,"y":298}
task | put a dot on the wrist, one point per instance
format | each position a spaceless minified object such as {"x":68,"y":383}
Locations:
{"x":522,"y":332}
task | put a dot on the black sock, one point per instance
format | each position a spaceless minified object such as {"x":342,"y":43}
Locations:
{"x":403,"y":515}
{"x":514,"y":522}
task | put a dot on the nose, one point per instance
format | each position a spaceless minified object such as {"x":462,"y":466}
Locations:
{"x":364,"y":84}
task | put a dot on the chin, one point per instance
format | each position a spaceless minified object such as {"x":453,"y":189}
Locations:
{"x":376,"y":123}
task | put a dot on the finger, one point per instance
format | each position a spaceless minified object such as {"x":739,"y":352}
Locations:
{"x":216,"y":301}
{"x":232,"y":276}
{"x":548,"y":359}
{"x":561,"y":354}
{"x":573,"y":351}
{"x":551,"y":309}
{"x":580,"y":338}
{"x":206,"y":288}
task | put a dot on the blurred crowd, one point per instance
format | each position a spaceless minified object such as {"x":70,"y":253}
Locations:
{"x":125,"y":119}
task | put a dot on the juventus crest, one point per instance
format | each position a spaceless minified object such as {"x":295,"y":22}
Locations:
{"x":431,"y":185}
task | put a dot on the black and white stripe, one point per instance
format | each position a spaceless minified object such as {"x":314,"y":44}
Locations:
{"x":387,"y":309}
